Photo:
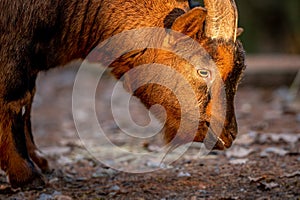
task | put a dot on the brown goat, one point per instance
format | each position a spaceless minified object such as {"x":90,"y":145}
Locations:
{"x":38,"y":35}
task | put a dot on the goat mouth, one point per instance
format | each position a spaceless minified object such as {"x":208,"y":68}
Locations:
{"x":215,"y":142}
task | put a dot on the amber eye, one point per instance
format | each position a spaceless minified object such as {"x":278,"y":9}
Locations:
{"x":203,"y":73}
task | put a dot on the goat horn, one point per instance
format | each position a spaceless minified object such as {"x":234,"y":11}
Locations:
{"x":222,"y":18}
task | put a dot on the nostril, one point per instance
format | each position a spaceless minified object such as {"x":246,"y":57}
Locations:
{"x":207,"y":124}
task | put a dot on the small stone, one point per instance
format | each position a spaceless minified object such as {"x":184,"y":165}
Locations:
{"x":271,"y":185}
{"x":52,"y":151}
{"x":45,"y":197}
{"x":290,"y":175}
{"x":63,"y":160}
{"x":53,"y":180}
{"x":274,"y":150}
{"x":114,"y":188}
{"x":56,"y":193}
{"x":238,"y":161}
{"x":81,"y":179}
{"x":238,"y":152}
{"x":62,"y":197}
{"x":184,"y":174}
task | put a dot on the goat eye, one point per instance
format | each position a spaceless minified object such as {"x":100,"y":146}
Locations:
{"x":203,"y":73}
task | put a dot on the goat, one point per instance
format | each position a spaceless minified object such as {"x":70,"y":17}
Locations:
{"x":39,"y":35}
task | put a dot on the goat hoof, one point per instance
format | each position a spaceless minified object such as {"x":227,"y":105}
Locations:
{"x":29,"y":179}
{"x":41,"y":162}
{"x":35,"y":182}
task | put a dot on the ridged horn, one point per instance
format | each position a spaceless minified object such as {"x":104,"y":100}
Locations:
{"x":222,"y":19}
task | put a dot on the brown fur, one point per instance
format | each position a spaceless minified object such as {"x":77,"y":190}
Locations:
{"x":39,"y":35}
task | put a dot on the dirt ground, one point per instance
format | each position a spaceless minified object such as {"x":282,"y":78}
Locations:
{"x":263,"y":163}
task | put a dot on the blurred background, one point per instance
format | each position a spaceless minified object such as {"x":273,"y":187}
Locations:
{"x":271,"y":39}
{"x":270,"y":26}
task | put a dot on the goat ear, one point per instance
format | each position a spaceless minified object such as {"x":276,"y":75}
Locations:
{"x":190,"y":23}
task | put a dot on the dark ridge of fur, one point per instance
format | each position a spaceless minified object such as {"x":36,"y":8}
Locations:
{"x":38,"y":35}
{"x":17,"y":130}
{"x":175,"y":13}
